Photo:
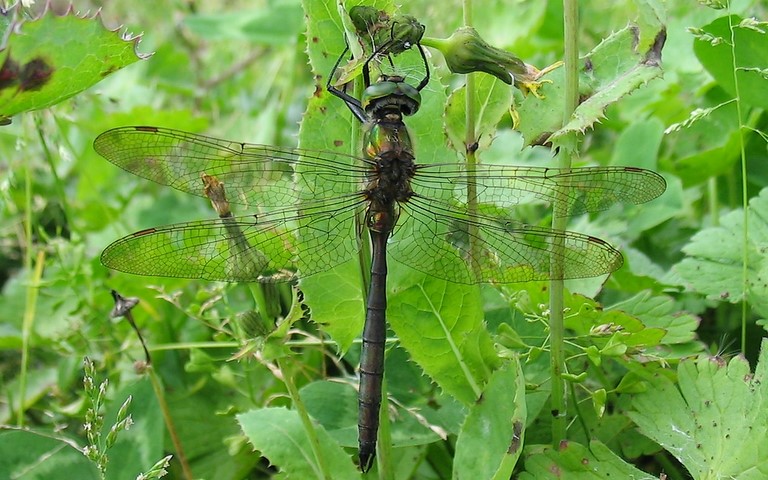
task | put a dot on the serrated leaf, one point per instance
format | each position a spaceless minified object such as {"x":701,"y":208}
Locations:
{"x":715,"y":422}
{"x":715,"y":257}
{"x":440,"y":324}
{"x":337,"y":302}
{"x":491,"y":438}
{"x":279,"y":435}
{"x":577,"y":462}
{"x":616,"y":67}
{"x":751,"y":50}
{"x":661,"y":312}
{"x":49,"y":59}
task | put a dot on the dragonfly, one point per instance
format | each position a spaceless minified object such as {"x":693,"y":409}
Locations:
{"x":308,"y":205}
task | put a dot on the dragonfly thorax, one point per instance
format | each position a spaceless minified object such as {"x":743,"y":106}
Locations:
{"x":390,"y":96}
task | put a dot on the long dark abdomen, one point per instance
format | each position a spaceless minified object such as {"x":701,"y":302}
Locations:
{"x":372,"y":360}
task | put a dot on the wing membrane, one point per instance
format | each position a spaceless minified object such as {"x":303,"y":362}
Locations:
{"x":253,"y":174}
{"x":242,"y":249}
{"x":437,"y":241}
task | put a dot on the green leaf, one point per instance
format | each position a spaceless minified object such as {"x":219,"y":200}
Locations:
{"x":33,"y":456}
{"x":491,"y":438}
{"x":440,"y":324}
{"x":336,"y":297}
{"x":708,"y":148}
{"x":280,"y":436}
{"x":661,"y":312}
{"x":750,"y":48}
{"x":715,"y":256}
{"x":620,"y":64}
{"x":577,"y":462}
{"x":715,"y":422}
{"x":334,"y":405}
{"x":49,"y":59}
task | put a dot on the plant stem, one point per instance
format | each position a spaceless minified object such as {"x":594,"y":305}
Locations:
{"x":744,"y":193}
{"x":160,"y":395}
{"x":470,"y":143}
{"x":558,"y":396}
{"x":309,"y":427}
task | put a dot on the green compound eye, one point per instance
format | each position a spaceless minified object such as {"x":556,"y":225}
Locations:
{"x":391,"y":91}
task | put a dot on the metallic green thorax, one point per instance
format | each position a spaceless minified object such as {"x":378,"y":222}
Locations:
{"x":388,"y":145}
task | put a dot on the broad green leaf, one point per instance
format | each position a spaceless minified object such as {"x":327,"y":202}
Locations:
{"x":491,"y":438}
{"x":49,"y":59}
{"x":620,"y":64}
{"x":279,"y":435}
{"x":334,"y":406}
{"x":203,"y":429}
{"x":39,"y":456}
{"x":336,"y":298}
{"x":750,"y":47}
{"x":715,"y":421}
{"x":441,"y":325}
{"x":715,"y":256}
{"x":575,"y":461}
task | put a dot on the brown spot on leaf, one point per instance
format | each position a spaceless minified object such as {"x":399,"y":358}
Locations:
{"x":108,"y":71}
{"x":35,"y":74}
{"x":338,"y":143}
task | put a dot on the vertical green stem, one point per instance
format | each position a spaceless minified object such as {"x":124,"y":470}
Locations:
{"x":470,"y":141}
{"x":309,"y":427}
{"x":166,"y":412}
{"x":714,"y":207}
{"x":557,"y":330}
{"x":744,"y":194}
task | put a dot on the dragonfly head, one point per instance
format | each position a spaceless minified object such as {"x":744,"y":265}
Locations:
{"x":389,"y":94}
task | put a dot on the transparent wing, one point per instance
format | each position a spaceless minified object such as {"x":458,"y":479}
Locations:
{"x":253,"y":174}
{"x":436,"y":241}
{"x":266,"y":248}
{"x":587,"y":189}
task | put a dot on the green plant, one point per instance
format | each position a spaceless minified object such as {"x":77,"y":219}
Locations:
{"x":463,"y":361}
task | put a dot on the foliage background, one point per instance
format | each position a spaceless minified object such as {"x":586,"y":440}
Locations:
{"x":228,"y":69}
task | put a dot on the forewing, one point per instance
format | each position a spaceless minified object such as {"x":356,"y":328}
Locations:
{"x":254,"y":175}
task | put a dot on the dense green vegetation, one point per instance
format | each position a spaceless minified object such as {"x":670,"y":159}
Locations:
{"x":661,"y":366}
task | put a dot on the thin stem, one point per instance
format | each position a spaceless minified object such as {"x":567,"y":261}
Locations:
{"x":714,"y":208}
{"x":309,"y":427}
{"x":744,"y":193}
{"x":160,"y":395}
{"x":556,"y":299}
